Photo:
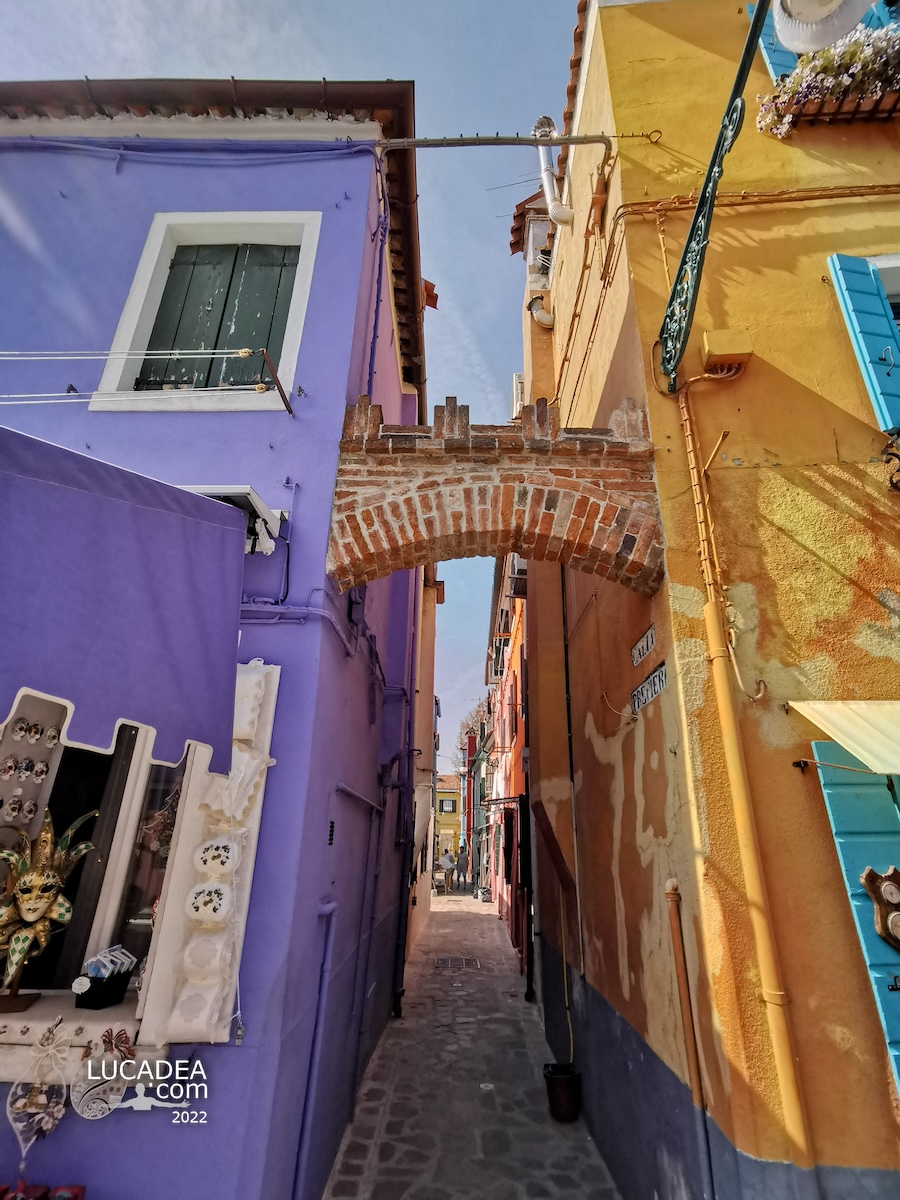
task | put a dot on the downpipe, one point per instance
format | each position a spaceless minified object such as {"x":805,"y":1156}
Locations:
{"x":326,"y":910}
{"x":405,"y":800}
{"x":774,"y":995}
{"x":673,"y":896}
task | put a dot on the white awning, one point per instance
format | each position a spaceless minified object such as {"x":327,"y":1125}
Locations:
{"x":868,"y":729}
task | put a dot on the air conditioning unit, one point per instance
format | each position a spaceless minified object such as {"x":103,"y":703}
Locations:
{"x":263,"y":523}
{"x":518,"y":395}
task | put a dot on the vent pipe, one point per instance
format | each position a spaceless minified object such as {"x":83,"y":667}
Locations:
{"x":559,"y":213}
{"x":536,"y":307}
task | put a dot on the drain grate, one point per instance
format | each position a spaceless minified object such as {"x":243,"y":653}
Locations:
{"x":455,"y":964}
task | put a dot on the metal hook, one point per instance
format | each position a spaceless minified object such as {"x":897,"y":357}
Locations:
{"x":882,"y":357}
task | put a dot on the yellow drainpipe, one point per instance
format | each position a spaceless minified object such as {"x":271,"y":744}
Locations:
{"x":774,"y":995}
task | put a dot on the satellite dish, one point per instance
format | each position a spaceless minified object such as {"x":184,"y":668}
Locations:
{"x":805,"y":25}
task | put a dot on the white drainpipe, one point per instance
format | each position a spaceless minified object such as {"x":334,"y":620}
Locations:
{"x":560,"y":214}
{"x":536,"y":307}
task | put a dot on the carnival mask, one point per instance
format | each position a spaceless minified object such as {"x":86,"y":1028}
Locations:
{"x":39,"y":774}
{"x":37,"y":871}
{"x":8,"y":767}
{"x":52,"y":736}
{"x":24,"y":769}
{"x":35,"y":892}
{"x":19,"y":729}
{"x":34,"y":733}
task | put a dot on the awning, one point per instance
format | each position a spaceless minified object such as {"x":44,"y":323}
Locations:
{"x":119,"y":594}
{"x":424,"y":796}
{"x":868,"y":729}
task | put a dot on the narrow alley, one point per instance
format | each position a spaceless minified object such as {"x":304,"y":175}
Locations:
{"x":453,"y":1104}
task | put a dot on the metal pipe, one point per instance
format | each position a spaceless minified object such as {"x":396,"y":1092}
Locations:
{"x":348,"y":791}
{"x":536,"y":307}
{"x":282,"y":614}
{"x":775,"y":997}
{"x":565,"y":633}
{"x":559,"y":213}
{"x":326,"y":910}
{"x":534,"y":139}
{"x":673,"y":895}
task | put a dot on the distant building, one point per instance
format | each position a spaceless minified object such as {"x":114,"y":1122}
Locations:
{"x":448,"y":815}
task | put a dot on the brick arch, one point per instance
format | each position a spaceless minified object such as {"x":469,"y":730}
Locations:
{"x":408,"y":495}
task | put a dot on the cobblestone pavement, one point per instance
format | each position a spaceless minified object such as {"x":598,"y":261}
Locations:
{"x":453,"y":1104}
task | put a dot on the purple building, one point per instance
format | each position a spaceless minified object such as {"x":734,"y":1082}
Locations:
{"x":150,"y":231}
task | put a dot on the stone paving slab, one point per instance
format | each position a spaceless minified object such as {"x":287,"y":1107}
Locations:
{"x":453,"y":1105}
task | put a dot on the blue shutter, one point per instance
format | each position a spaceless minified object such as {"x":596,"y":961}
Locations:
{"x":778,"y":60}
{"x":866,"y":828}
{"x":878,"y":16}
{"x":873,"y":332}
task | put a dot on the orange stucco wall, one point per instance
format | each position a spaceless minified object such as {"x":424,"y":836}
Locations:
{"x":809,"y":543}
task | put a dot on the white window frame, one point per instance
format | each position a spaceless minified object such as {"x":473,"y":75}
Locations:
{"x":168,"y":231}
{"x":446,"y":811}
{"x":888,"y":268}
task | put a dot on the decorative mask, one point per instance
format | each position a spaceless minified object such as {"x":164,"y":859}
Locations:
{"x":8,"y":767}
{"x":29,"y":811}
{"x":39,"y":774}
{"x":34,"y":732}
{"x":884,"y":892}
{"x":37,"y":871}
{"x":52,"y":736}
{"x":19,"y":729}
{"x":24,"y":769}
{"x":12,"y":808}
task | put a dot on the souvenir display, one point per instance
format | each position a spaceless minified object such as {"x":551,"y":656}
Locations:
{"x":104,"y":978}
{"x":37,"y":871}
{"x":39,"y":774}
{"x":19,"y":729}
{"x":96,"y":1094}
{"x":13,"y":806}
{"x":24,"y":769}
{"x":52,"y":736}
{"x":8,"y":767}
{"x":34,"y":732}
{"x":36,"y":1104}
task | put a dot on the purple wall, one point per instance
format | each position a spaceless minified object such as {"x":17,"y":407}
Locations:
{"x":72,"y":226}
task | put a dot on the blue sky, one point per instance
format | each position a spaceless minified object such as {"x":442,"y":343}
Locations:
{"x":479,"y":66}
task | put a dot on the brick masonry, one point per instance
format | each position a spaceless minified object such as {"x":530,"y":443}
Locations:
{"x":412,"y":494}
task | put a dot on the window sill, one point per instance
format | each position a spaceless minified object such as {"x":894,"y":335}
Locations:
{"x":20,"y":1031}
{"x":188,"y":400}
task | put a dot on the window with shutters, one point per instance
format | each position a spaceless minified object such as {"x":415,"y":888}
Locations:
{"x":865,"y":822}
{"x":868,"y":292}
{"x":781,"y":61}
{"x":208,"y":286}
{"x":219,"y":298}
{"x":448,"y":806}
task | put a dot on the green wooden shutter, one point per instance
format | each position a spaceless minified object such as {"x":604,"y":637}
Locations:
{"x":866,"y":828}
{"x":779,"y":60}
{"x":190,"y":316}
{"x":256,"y":311}
{"x":873,"y":333}
{"x":220,"y":298}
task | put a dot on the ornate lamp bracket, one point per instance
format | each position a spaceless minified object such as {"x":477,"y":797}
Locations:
{"x":679,"y":315}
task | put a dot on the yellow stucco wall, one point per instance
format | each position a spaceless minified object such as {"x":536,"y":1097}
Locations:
{"x":809,"y":539}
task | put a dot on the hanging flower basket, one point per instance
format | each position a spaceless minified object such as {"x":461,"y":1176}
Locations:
{"x":858,"y":78}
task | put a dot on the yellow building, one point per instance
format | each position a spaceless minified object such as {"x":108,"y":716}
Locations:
{"x":447,"y":816}
{"x":730,"y":997}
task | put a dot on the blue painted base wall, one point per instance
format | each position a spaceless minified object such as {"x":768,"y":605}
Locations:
{"x":646,"y":1126}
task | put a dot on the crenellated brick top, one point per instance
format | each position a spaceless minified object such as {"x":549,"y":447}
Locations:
{"x":539,"y":432}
